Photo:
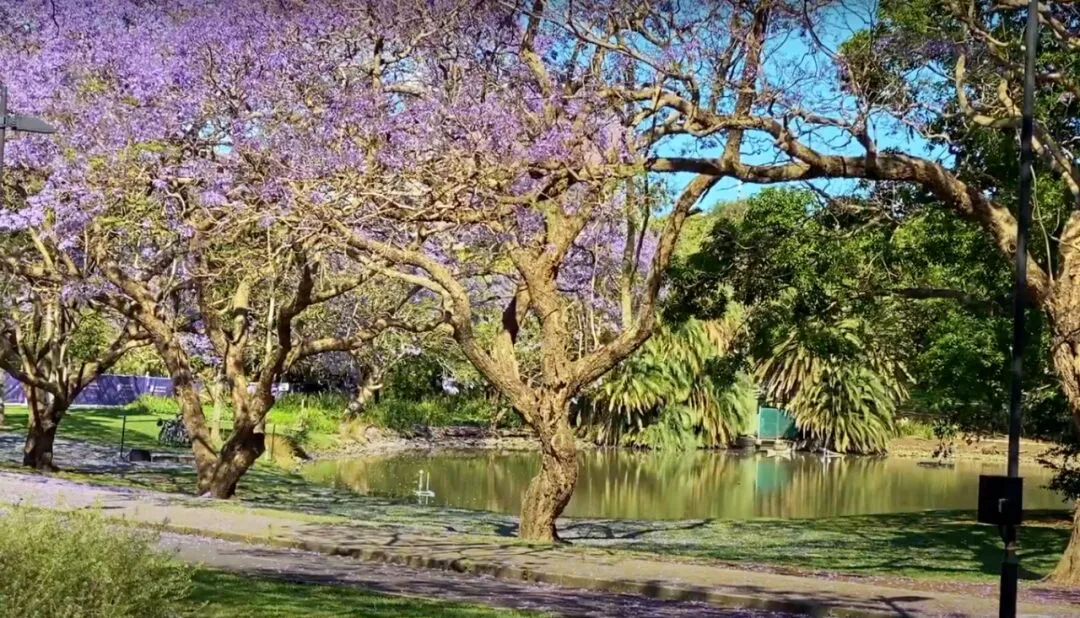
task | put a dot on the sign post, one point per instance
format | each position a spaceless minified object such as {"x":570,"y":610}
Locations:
{"x":1001,"y":497}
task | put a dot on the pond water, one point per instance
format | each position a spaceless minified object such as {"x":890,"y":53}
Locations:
{"x":641,"y":485}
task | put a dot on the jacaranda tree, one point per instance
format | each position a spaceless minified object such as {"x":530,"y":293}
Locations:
{"x":167,"y":179}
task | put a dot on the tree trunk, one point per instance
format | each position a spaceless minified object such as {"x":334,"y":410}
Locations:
{"x":244,"y":446}
{"x":1067,"y":571}
{"x":44,"y":419}
{"x":195,"y":423}
{"x":1063,"y":309}
{"x":550,"y":491}
{"x":367,"y":390}
{"x":3,"y":396}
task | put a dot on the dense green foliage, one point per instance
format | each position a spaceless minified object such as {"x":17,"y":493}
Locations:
{"x":841,"y":392}
{"x":928,"y":291}
{"x":153,"y":405}
{"x":435,"y":411}
{"x":75,"y":565}
{"x":681,"y":390}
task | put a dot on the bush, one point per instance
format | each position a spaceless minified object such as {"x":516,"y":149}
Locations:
{"x":76,"y":566}
{"x":415,"y":379}
{"x":681,"y":391}
{"x":153,"y":405}
{"x":306,"y":413}
{"x":402,"y":414}
{"x":908,"y":427}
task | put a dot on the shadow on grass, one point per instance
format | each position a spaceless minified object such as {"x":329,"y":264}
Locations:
{"x":934,"y":544}
{"x":228,"y":595}
{"x":941,"y":544}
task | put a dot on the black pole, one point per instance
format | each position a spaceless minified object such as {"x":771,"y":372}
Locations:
{"x":3,"y":135}
{"x":1010,"y":567}
{"x":123,"y":430}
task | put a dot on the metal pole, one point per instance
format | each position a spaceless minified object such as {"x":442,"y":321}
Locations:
{"x":123,"y":430}
{"x":3,"y":134}
{"x":1010,"y":566}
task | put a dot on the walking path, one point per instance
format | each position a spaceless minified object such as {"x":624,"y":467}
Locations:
{"x":587,"y":568}
{"x":82,"y":456}
{"x":310,"y":567}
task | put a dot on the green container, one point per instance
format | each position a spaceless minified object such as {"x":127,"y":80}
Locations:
{"x":775,"y":424}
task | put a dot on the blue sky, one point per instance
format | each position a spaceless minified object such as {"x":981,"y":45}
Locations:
{"x":835,"y":28}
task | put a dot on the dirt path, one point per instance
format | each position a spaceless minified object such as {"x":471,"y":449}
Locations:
{"x":310,"y":567}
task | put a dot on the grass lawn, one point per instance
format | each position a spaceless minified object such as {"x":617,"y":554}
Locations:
{"x":941,"y":545}
{"x":103,"y":426}
{"x":99,"y":425}
{"x":928,"y":544}
{"x":218,"y":594}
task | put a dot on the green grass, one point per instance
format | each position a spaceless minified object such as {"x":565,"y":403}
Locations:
{"x":929,"y":544}
{"x":104,"y":425}
{"x":99,"y":425}
{"x":218,"y":594}
{"x":312,"y":420}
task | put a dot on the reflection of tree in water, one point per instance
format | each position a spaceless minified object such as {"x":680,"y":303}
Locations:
{"x":643,"y":485}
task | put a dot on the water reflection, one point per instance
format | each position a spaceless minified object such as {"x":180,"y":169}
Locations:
{"x":619,"y":484}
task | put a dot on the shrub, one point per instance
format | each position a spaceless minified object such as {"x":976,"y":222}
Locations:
{"x":76,"y":566}
{"x":908,"y":427}
{"x":154,"y":405}
{"x":415,"y":379}
{"x":441,"y":411}
{"x":306,"y":413}
{"x":841,"y":390}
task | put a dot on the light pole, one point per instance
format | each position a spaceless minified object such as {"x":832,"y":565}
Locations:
{"x":14,"y":122}
{"x":1001,"y":497}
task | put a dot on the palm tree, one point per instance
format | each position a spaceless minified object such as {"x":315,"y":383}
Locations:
{"x":678,"y":392}
{"x":841,"y":391}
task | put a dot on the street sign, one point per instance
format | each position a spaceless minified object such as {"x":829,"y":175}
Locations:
{"x":27,"y":124}
{"x":15,"y":122}
{"x":1001,"y":500}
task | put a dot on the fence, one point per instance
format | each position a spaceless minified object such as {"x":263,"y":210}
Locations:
{"x":107,"y":390}
{"x":114,"y":390}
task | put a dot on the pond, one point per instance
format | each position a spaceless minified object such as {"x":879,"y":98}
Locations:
{"x":644,"y":485}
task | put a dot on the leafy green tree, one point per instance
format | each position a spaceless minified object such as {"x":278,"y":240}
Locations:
{"x":946,"y":73}
{"x":681,"y":390}
{"x":841,"y":389}
{"x":921,"y":277}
